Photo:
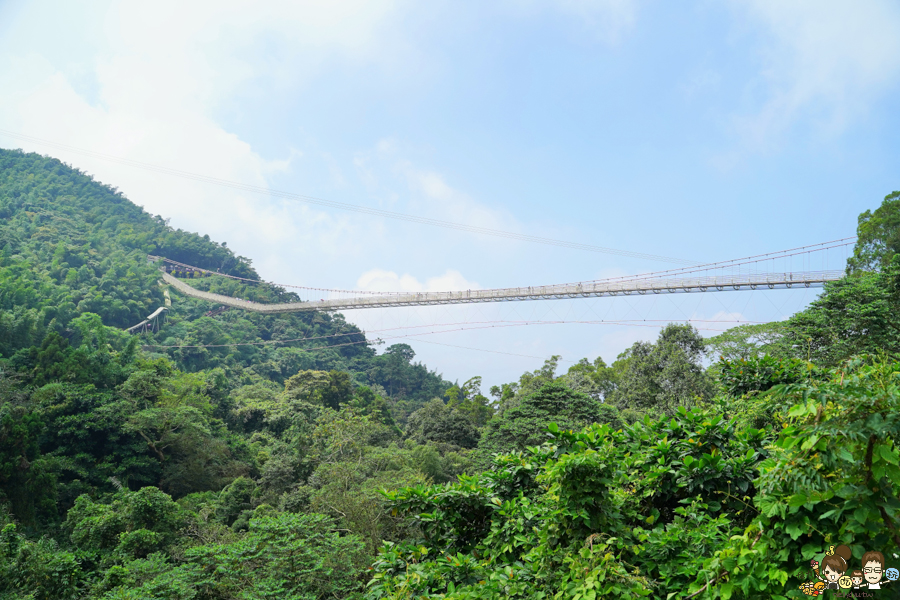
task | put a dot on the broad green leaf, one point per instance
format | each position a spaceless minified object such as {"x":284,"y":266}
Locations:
{"x":844,"y":454}
{"x":726,"y":590}
{"x":889,"y":455}
{"x":798,"y":499}
{"x":809,"y":442}
{"x":794,"y":530}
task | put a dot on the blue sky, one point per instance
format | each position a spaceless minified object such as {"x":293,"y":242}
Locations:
{"x":697,"y":130}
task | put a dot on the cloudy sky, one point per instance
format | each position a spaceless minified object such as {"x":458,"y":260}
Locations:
{"x":699,"y":131}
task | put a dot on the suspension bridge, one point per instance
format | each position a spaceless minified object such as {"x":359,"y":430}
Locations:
{"x":594,"y":289}
{"x":785,"y":269}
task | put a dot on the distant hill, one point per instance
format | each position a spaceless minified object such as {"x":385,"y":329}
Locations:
{"x":70,"y":245}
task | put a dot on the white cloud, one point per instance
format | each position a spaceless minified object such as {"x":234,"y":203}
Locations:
{"x":158,"y":76}
{"x":828,"y":60}
{"x":185,"y":138}
{"x":430,"y":195}
{"x":433,"y":195}
{"x":226,"y":43}
{"x":378,"y":280}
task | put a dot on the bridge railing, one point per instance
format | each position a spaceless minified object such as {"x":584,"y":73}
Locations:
{"x":585,"y":289}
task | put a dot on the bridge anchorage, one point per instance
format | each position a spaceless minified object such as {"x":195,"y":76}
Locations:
{"x":151,"y":323}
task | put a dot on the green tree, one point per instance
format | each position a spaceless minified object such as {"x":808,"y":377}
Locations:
{"x":856,"y":315}
{"x":509,"y":395}
{"x":469,"y":400}
{"x":404,"y":380}
{"x":878,"y":237}
{"x":39,"y":570}
{"x":370,"y":404}
{"x":594,"y":379}
{"x":339,"y":390}
{"x":438,"y":422}
{"x":758,"y":374}
{"x":663,"y":375}
{"x":192,"y":457}
{"x":832,"y":477}
{"x":133,"y":524}
{"x":286,"y":556}
{"x":592,"y":513}
{"x":526,"y":424}
{"x":236,"y":499}
{"x":746,"y":341}
{"x":307,"y":386}
{"x":26,"y":481}
{"x":87,"y":438}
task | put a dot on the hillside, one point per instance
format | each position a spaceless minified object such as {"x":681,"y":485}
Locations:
{"x":129,"y":470}
{"x":70,"y":246}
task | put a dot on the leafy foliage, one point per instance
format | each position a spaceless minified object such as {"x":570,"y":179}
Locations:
{"x":585,"y":513}
{"x":758,"y":374}
{"x":746,"y":341}
{"x":832,"y":477}
{"x":438,"y":422}
{"x":857,"y":315}
{"x":663,"y":375}
{"x":878,"y":236}
{"x":525,"y":424}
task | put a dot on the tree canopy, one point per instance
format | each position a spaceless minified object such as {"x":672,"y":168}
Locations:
{"x":878,"y":236}
{"x":663,"y":375}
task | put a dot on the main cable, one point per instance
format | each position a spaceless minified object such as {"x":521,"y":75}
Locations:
{"x":737,"y":262}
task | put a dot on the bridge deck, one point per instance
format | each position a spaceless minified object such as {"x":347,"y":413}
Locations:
{"x":592,"y":289}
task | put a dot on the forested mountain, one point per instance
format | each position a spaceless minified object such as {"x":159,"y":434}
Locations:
{"x":71,"y":246}
{"x":283,"y":470}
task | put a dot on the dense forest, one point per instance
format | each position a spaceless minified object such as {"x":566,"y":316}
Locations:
{"x":134,"y":467}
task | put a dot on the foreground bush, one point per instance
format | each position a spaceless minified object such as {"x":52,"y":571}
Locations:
{"x":686,"y":507}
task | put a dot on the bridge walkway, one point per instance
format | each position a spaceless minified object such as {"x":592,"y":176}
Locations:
{"x":591,"y":289}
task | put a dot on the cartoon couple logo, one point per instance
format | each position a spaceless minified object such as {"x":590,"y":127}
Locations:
{"x":835,"y":573}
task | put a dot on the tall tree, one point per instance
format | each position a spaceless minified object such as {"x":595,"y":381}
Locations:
{"x":526,"y":424}
{"x":662,"y":376}
{"x":438,"y":422}
{"x":859,"y":314}
{"x":878,"y":236}
{"x":745,"y":341}
{"x":596,"y":379}
{"x":469,"y":400}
